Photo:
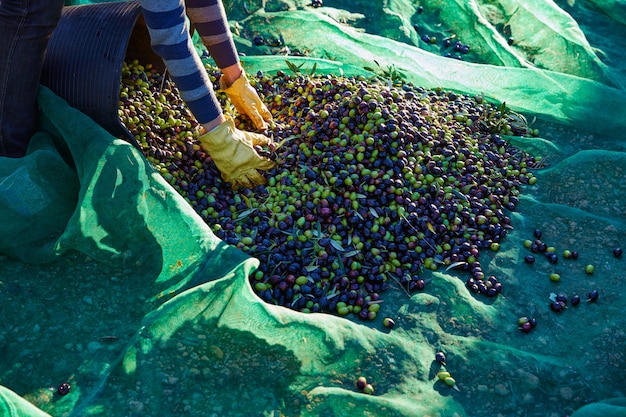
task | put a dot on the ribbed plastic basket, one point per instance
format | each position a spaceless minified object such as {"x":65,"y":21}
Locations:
{"x":85,"y":55}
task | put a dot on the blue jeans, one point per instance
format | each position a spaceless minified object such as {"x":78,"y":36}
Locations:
{"x":25,"y":28}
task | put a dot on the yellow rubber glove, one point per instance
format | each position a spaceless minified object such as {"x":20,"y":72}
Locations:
{"x":233,"y":152}
{"x":247,"y":101}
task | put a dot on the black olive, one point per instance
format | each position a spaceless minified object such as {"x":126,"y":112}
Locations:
{"x":575,"y":300}
{"x":617,"y":252}
{"x":537,"y":233}
{"x":64,"y":388}
{"x":592,"y":296}
{"x":557,"y":306}
{"x":552,"y":257}
{"x":529,"y":259}
{"x":440,"y":357}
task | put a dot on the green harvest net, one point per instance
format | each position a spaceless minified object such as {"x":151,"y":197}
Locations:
{"x":112,"y":283}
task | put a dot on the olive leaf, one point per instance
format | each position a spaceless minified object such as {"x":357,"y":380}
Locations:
{"x":336,"y":245}
{"x":390,"y":74}
{"x":245,"y":214}
{"x":456,"y":264}
{"x":296,"y":69}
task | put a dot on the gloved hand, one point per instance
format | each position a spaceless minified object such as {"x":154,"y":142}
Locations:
{"x":233,"y":152}
{"x":247,"y":101}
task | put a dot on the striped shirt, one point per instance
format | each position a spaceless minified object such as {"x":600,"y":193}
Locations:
{"x":169,"y":35}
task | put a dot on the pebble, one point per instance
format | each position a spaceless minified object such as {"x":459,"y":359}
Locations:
{"x":93,"y":346}
{"x":501,"y":389}
{"x":136,"y":406}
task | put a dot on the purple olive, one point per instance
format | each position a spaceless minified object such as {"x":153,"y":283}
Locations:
{"x":526,"y":327}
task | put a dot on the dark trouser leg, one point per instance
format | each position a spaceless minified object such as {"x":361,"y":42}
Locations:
{"x":25,"y":28}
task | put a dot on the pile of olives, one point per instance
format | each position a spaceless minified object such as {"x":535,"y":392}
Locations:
{"x":375,"y":183}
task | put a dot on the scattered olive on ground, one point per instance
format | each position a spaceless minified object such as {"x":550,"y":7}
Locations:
{"x":361,"y":382}
{"x":389,"y":322}
{"x":593,"y":296}
{"x":64,"y":388}
{"x":526,"y":324}
{"x":440,"y":357}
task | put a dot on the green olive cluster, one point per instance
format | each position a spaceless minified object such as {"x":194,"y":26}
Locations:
{"x":375,"y":183}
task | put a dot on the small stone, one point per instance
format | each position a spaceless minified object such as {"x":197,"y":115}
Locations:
{"x":136,"y":407}
{"x":501,"y":389}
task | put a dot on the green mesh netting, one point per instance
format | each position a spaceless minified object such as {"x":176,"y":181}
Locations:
{"x":110,"y":281}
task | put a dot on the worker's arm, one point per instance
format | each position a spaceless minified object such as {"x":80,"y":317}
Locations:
{"x":231,"y":149}
{"x":169,"y":34}
{"x":209,"y":19}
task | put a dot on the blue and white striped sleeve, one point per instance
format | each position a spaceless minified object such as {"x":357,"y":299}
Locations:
{"x":170,"y":39}
{"x":209,"y":19}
